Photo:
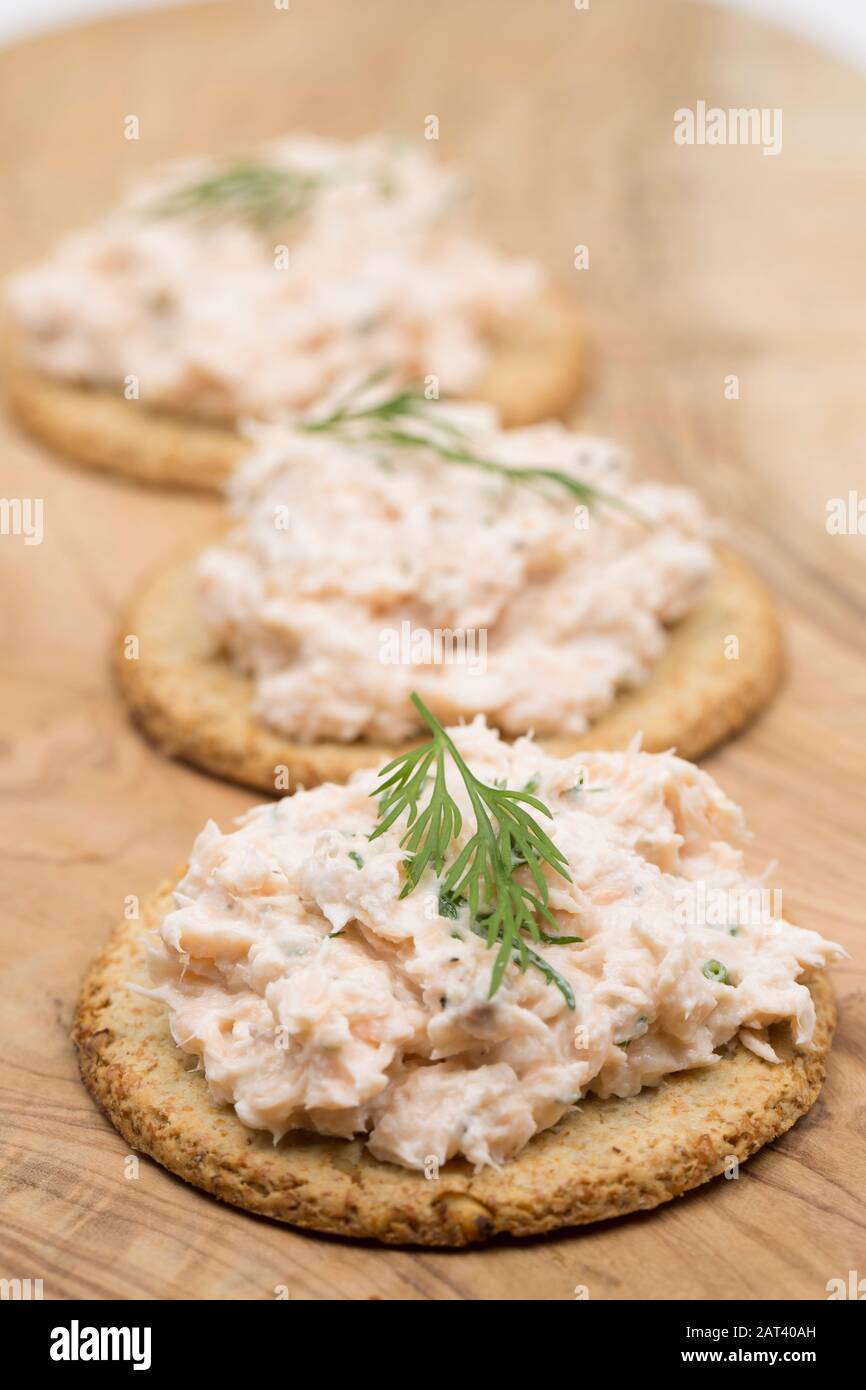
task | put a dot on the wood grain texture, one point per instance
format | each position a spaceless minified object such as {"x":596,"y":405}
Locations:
{"x":703,"y":262}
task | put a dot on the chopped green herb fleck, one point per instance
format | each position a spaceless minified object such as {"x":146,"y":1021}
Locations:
{"x":716,"y":971}
{"x":641,"y":1018}
{"x":449,"y":906}
{"x":573,"y":792}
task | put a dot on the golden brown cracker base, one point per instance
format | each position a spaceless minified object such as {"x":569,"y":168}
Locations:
{"x":607,"y":1158}
{"x":100,"y":429}
{"x":196,"y":705}
{"x":538,"y":365}
{"x":536,"y":370}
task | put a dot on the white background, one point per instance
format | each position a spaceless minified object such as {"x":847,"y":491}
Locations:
{"x":838,"y":25}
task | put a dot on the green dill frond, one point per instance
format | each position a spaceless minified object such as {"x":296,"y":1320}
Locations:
{"x":243,"y":190}
{"x":502,"y":909}
{"x":406,"y":420}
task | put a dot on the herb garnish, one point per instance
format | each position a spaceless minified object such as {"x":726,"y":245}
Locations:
{"x":641,"y":1018}
{"x":716,"y":971}
{"x":245,"y":190}
{"x":449,"y":905}
{"x":482,"y":876}
{"x":407,"y":419}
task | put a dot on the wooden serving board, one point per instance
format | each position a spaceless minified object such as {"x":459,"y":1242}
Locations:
{"x":704,"y":262}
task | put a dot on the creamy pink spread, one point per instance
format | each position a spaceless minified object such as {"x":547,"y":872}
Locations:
{"x":218,"y":315}
{"x":317,"y":999}
{"x":344,"y":567}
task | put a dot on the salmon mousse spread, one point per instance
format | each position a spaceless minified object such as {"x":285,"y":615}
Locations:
{"x":350,"y":985}
{"x":520,"y":574}
{"x":258,"y":284}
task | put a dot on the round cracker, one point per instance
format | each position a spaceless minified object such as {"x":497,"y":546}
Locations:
{"x":537,"y":368}
{"x":606,"y":1158}
{"x":197,"y":705}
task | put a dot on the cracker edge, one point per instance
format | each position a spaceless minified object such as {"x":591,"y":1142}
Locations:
{"x":527,"y":1197}
{"x":538,"y":370}
{"x":197,"y":708}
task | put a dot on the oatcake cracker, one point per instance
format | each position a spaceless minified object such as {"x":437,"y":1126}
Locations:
{"x":605,"y":1159}
{"x":535,"y":372}
{"x":196,"y":704}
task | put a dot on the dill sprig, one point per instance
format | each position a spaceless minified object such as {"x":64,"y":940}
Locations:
{"x":507,"y":838}
{"x":407,"y":419}
{"x":243,"y":190}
